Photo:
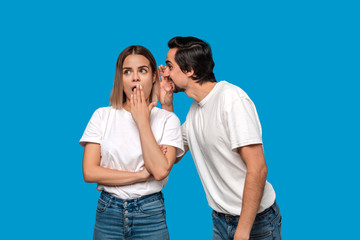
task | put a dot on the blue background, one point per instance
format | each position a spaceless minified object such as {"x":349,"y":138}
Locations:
{"x":297,"y":60}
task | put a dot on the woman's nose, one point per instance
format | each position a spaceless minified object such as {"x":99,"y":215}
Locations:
{"x":136,"y":77}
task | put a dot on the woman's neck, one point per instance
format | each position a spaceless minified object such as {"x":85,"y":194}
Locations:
{"x":126,"y":105}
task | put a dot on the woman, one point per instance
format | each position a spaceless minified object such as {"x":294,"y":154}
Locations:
{"x":122,"y":152}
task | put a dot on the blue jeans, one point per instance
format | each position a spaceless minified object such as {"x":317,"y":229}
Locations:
{"x":135,"y":219}
{"x":267,"y":225}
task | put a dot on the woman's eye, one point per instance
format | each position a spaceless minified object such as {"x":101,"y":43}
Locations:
{"x":126,"y":72}
{"x":143,"y":70}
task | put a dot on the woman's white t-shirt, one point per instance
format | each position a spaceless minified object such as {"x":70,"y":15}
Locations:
{"x":117,"y":133}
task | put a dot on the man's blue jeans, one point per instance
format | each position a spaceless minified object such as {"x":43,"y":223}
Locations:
{"x":135,"y":219}
{"x":267,"y":225}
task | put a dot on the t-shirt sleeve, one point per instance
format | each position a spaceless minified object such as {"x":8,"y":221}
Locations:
{"x":183,"y":132}
{"x":172,"y":135}
{"x":243,"y":124}
{"x":93,"y":131}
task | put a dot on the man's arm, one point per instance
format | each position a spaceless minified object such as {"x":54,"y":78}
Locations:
{"x":253,"y":156}
{"x":166,"y":91}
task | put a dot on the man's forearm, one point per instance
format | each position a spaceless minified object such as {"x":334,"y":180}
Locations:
{"x":253,"y":191}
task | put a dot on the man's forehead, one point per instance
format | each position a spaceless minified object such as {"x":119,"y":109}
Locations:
{"x":171,"y":53}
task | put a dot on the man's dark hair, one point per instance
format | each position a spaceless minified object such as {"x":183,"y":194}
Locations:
{"x":194,"y":54}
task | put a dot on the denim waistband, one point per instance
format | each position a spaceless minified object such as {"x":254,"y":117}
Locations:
{"x":135,"y":201}
{"x":273,"y":208}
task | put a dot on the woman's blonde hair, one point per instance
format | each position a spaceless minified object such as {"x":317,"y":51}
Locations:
{"x":117,"y":96}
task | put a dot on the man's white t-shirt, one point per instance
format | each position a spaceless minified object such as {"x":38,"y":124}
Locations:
{"x":117,"y":133}
{"x":223,"y":121}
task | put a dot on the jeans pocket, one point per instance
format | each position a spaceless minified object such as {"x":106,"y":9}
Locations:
{"x":262,"y":230}
{"x":153,"y":208}
{"x":102,"y":205}
{"x":262,"y":236}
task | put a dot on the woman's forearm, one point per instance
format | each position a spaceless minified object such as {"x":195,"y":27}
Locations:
{"x":112,"y":177}
{"x":155,"y":161}
{"x":93,"y":172}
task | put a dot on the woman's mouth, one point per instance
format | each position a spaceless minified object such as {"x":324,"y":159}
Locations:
{"x":133,"y":88}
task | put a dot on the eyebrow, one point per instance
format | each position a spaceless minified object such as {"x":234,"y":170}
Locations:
{"x":143,"y":66}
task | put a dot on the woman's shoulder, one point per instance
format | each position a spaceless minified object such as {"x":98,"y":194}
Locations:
{"x":102,"y":111}
{"x":162,"y":113}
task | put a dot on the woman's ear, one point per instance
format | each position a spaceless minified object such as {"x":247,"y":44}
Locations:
{"x":155,"y":76}
{"x":156,"y":87}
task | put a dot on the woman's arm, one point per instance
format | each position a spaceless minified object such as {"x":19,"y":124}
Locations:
{"x":164,"y":150}
{"x":93,"y":172}
{"x":158,"y":164}
{"x":186,"y":148}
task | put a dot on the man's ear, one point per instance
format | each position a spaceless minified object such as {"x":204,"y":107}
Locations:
{"x":189,"y":73}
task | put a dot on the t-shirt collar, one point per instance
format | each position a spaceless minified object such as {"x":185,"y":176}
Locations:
{"x":206,"y":99}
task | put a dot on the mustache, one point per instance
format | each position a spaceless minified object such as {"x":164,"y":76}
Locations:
{"x":176,"y":88}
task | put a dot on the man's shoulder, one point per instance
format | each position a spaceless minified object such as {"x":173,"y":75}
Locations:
{"x":229,"y":91}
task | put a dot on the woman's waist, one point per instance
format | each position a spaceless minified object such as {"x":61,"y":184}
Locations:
{"x":136,"y":190}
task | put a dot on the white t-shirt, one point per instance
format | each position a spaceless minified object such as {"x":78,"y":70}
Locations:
{"x":214,"y":128}
{"x":117,"y":133}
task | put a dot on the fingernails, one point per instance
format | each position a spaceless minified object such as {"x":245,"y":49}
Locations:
{"x":140,"y":87}
{"x":132,"y":95}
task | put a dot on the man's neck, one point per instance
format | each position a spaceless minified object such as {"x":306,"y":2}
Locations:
{"x":199,"y":92}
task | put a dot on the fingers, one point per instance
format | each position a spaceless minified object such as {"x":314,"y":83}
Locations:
{"x":139,"y":95}
{"x":163,"y":149}
{"x":132,"y":100}
{"x":162,"y":73}
{"x":142,"y":94}
{"x":135,"y":95}
{"x":152,"y":105}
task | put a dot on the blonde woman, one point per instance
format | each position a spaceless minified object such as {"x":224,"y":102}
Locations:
{"x":122,"y":153}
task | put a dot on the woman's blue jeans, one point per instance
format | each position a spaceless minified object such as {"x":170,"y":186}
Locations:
{"x":135,"y":219}
{"x":267,"y":225}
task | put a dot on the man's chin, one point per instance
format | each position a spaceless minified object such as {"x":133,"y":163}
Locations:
{"x":177,"y":89}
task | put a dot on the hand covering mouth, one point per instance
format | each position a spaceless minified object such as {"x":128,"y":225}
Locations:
{"x":133,"y":88}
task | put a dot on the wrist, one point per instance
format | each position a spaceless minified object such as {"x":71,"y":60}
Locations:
{"x":142,"y":176}
{"x":243,"y":230}
{"x":168,"y":107}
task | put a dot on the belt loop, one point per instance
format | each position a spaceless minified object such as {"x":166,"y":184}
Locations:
{"x":110,"y":200}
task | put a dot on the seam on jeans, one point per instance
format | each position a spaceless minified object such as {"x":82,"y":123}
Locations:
{"x":275,"y":218}
{"x":150,"y":202}
{"x":261,"y":235}
{"x":279,"y":227}
{"x":159,"y":210}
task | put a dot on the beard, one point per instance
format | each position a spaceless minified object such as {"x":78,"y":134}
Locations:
{"x":176,"y":88}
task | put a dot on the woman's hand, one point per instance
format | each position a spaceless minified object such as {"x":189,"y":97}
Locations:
{"x":163,"y":149}
{"x":166,"y":89}
{"x":145,"y":175}
{"x":139,"y":109}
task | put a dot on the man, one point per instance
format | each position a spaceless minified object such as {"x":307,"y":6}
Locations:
{"x":223,"y":133}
